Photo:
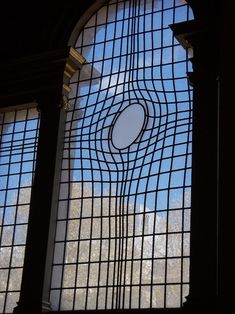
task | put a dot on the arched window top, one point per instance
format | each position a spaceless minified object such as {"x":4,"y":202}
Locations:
{"x":134,"y":37}
{"x":119,"y":19}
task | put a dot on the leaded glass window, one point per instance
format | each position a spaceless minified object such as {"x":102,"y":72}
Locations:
{"x":123,"y":222}
{"x":18,"y":147}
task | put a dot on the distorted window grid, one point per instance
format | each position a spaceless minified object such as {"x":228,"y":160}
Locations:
{"x":18,"y":146}
{"x":123,"y":224}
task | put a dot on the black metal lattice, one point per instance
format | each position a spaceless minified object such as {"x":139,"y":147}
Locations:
{"x":123,"y":223}
{"x":18,"y":146}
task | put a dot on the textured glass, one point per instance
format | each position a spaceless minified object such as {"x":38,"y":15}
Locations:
{"x":123,"y":224}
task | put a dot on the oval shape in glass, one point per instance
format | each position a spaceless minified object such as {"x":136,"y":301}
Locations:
{"x":128,"y":126}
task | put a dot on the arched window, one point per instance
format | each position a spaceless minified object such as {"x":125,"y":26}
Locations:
{"x":123,"y":223}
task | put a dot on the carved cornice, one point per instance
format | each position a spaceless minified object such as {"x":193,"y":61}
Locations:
{"x":187,"y":32}
{"x":30,"y":78}
{"x":73,"y":63}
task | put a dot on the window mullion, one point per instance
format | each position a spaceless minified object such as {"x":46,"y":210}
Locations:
{"x":41,"y":199}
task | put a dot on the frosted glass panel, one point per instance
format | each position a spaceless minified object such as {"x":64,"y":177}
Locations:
{"x":128,"y":126}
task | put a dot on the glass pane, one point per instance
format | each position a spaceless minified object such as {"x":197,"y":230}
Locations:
{"x":123,"y":133}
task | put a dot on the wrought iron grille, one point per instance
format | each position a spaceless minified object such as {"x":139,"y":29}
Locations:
{"x":18,"y":146}
{"x":123,"y":223}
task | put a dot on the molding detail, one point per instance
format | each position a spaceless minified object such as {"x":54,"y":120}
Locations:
{"x":73,"y":63}
{"x":185,"y":32}
{"x":65,"y":104}
{"x":46,"y":307}
{"x":45,"y":75}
